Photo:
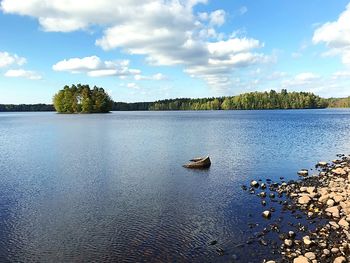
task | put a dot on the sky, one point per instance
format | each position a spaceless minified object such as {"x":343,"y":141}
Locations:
{"x":157,"y":49}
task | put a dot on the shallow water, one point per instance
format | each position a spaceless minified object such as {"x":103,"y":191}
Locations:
{"x":78,"y":188}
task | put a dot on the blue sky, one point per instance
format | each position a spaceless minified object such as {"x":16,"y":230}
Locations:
{"x":157,"y":49}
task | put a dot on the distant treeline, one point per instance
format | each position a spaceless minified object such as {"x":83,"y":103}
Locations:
{"x":339,"y":102}
{"x":26,"y":107}
{"x":246,"y":101}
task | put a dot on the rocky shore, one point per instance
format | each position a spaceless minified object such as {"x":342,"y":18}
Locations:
{"x":320,"y":199}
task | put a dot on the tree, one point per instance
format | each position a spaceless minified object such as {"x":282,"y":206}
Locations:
{"x":81,"y":99}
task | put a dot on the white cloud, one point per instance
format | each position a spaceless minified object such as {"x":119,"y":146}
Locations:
{"x":243,"y":10}
{"x":94,"y":67}
{"x":302,"y":80}
{"x":341,"y":75}
{"x":306,"y":76}
{"x":21,"y":73}
{"x":132,"y":85}
{"x":217,"y":18}
{"x":336,"y":36}
{"x":165,"y":32}
{"x":7,"y":59}
{"x":158,"y":76}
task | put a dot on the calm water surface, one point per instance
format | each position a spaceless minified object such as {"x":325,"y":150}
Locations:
{"x":110,"y":188}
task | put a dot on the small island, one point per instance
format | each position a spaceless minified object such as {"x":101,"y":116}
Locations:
{"x":81,"y":99}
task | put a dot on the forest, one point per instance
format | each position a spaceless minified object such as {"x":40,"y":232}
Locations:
{"x":81,"y":99}
{"x":246,"y":101}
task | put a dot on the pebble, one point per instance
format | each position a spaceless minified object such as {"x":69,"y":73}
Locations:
{"x":266,"y":214}
{"x":301,"y":259}
{"x":310,"y":255}
{"x":339,"y":260}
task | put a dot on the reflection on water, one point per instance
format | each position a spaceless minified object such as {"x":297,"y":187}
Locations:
{"x":112,"y":188}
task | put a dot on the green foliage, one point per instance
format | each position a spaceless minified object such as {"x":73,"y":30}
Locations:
{"x":26,"y":107}
{"x":82,"y":99}
{"x":339,"y":102}
{"x":246,"y":101}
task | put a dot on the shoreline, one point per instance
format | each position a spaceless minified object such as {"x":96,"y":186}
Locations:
{"x":323,"y":199}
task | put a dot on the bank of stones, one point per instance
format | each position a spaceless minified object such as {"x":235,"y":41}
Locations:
{"x":322,"y":197}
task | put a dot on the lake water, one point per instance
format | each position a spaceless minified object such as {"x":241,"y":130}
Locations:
{"x":111,"y":188}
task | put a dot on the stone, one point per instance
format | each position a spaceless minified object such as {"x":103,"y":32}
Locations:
{"x":288,"y":242}
{"x":310,"y":255}
{"x":301,"y":259}
{"x":322,"y":163}
{"x":266,"y":214}
{"x":343,"y":223}
{"x":310,"y":189}
{"x":339,"y":171}
{"x":339,"y":260}
{"x":326,"y":252}
{"x":335,"y":250}
{"x":303,"y":172}
{"x":323,"y":198}
{"x":254,"y":184}
{"x":338,"y":198}
{"x":334,"y":224}
{"x":304,"y":200}
{"x":307,"y":241}
{"x":330,"y":202}
{"x":271,"y":261}
{"x":334,"y":210}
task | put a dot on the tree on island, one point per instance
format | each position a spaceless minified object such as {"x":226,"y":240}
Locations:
{"x":81,"y":99}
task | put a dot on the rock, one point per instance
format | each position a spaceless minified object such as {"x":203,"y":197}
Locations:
{"x":322,"y":163}
{"x":335,"y":250}
{"x":310,"y":255}
{"x":304,"y":200}
{"x":254,"y":184}
{"x":301,"y":259}
{"x":323,"y":198}
{"x":339,"y":260}
{"x":271,"y":261}
{"x":339,"y":171}
{"x":343,"y":223}
{"x":288,"y":242}
{"x":334,"y":210}
{"x":330,"y":202}
{"x":307,"y":241}
{"x":303,"y":172}
{"x":291,"y":234}
{"x":338,"y":198}
{"x":262,"y":194}
{"x":266,"y":214}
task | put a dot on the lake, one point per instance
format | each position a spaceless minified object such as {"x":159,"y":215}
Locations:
{"x":111,"y":188}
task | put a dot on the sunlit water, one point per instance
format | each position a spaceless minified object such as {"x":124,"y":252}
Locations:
{"x":111,"y":188}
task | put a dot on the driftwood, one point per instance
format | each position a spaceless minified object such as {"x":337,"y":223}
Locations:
{"x":198,"y":163}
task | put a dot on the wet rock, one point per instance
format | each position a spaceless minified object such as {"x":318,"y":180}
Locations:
{"x":307,"y":241}
{"x":266,"y":214}
{"x":303,"y":172}
{"x":288,"y":242}
{"x":322,"y":163}
{"x":254,"y":184}
{"x":262,"y":194}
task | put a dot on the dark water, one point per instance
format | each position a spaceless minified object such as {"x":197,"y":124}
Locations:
{"x":110,"y":188}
